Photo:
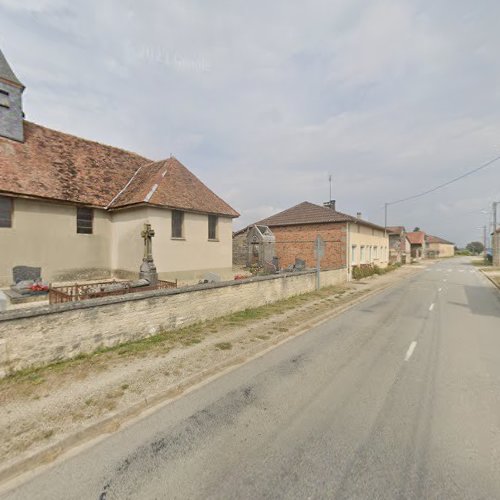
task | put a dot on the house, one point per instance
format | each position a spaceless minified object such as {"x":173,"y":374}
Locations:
{"x":417,"y":244}
{"x":399,"y":245}
{"x":76,"y":208}
{"x":348,"y":240}
{"x":439,"y":248}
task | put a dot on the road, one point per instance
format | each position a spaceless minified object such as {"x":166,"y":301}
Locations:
{"x":399,"y":397}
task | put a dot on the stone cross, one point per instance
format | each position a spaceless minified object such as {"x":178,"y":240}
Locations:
{"x":147,"y":234}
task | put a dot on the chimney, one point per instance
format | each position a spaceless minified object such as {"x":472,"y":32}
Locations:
{"x":329,"y":204}
{"x":358,"y":215}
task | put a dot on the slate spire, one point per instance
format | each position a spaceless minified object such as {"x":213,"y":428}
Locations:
{"x":11,"y":104}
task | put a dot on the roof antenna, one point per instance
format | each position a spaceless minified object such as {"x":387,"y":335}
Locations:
{"x":330,"y":181}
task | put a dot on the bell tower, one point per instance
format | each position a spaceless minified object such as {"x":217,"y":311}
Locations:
{"x":11,"y":103}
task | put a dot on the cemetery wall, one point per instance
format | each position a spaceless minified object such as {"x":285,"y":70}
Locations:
{"x":37,"y":336}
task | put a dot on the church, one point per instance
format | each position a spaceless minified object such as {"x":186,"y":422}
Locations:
{"x":76,"y":208}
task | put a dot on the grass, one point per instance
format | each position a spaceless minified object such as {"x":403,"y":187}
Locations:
{"x":166,"y":340}
{"x":480,"y":263}
{"x":224,"y":346}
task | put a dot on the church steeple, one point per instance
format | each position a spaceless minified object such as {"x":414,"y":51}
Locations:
{"x":11,"y":104}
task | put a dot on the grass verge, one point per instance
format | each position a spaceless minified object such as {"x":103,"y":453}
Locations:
{"x":167,"y":340}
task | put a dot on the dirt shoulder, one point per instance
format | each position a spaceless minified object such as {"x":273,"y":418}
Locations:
{"x":41,"y":409}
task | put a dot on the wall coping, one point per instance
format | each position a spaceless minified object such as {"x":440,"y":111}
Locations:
{"x":31,"y":312}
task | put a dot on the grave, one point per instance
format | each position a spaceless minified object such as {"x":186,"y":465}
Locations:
{"x":28,"y":285}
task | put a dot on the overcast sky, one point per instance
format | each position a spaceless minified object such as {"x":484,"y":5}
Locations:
{"x":262,"y":100}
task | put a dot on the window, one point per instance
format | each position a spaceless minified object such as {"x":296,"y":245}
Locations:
{"x":84,"y":220}
{"x":369,"y":254}
{"x":362,"y":255}
{"x":4,"y":99}
{"x":177,"y":224}
{"x":5,"y":211}
{"x":375,"y":251}
{"x":353,"y":254}
{"x":212,"y":227}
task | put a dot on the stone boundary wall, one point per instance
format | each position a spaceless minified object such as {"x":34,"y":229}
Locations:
{"x":38,"y":336}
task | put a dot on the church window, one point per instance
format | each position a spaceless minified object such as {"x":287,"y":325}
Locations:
{"x":212,"y":227}
{"x":84,"y":220}
{"x":177,"y":224}
{"x":5,"y":211}
{"x":4,"y":99}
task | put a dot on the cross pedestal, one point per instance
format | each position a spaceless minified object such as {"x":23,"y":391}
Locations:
{"x":148,"y":268}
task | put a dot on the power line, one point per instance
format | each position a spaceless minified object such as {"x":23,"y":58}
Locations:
{"x":484,"y":165}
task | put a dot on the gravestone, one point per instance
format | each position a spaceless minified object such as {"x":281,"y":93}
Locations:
{"x":26,"y":273}
{"x":300,"y":264}
{"x":211,"y":278}
{"x":148,"y":268}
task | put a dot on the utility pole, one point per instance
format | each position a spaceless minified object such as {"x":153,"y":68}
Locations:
{"x":495,"y":205}
{"x":484,"y":241}
{"x":330,"y":181}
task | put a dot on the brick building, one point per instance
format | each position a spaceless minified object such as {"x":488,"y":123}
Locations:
{"x":348,"y":240}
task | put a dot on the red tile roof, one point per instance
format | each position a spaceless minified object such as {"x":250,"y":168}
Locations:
{"x":309,"y":213}
{"x":437,"y":239}
{"x":168,"y":183}
{"x":58,"y":166}
{"x":395,"y":229}
{"x":416,"y":237}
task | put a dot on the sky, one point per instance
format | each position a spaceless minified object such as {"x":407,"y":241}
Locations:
{"x":264,"y":100}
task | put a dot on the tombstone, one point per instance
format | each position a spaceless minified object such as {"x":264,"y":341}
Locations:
{"x":300,"y":264}
{"x":26,"y":273}
{"x":148,"y":268}
{"x":3,"y":301}
{"x":211,"y":278}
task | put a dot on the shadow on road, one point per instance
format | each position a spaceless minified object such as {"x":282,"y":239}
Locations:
{"x":481,"y":300}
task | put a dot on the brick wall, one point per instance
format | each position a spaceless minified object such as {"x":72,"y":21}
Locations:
{"x":298,"y":242}
{"x":37,"y":336}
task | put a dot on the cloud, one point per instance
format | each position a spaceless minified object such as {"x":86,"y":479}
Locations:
{"x":263,"y":100}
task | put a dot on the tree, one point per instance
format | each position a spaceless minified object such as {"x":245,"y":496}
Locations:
{"x":416,"y":229}
{"x":475,"y":247}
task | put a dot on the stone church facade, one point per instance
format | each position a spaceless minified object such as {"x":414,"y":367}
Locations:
{"x":76,"y":208}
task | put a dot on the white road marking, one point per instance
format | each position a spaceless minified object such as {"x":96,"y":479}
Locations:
{"x":449,"y":270}
{"x":431,"y":307}
{"x":460,"y":270}
{"x":445,"y":280}
{"x":439,"y":289}
{"x":410,"y":350}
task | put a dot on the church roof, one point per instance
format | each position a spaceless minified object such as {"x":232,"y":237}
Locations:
{"x":6,"y":73}
{"x":58,"y":166}
{"x":168,"y":183}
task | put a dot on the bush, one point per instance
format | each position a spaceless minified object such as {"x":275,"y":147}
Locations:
{"x":365,"y":270}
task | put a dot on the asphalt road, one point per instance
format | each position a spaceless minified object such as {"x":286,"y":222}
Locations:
{"x":397,"y":398}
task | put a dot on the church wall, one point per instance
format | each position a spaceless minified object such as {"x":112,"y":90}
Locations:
{"x":43,"y":234}
{"x":186,"y":259}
